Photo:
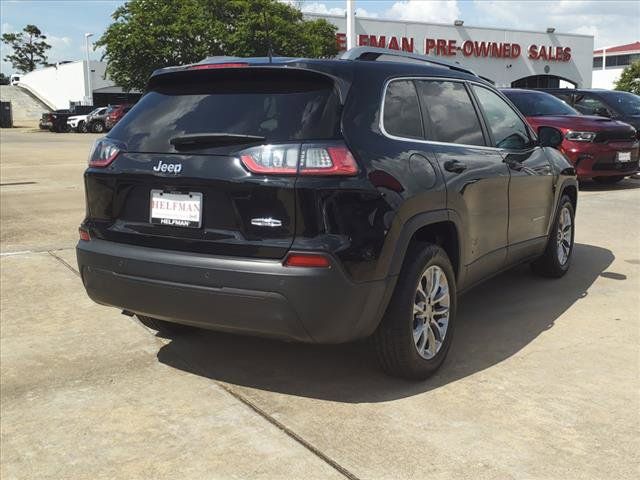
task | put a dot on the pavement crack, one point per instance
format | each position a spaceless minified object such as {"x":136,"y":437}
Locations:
{"x":63,"y":261}
{"x":266,"y":416}
{"x":287,"y":431}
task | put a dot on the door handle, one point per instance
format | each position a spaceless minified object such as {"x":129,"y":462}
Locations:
{"x":455,"y":166}
{"x":515,"y":165}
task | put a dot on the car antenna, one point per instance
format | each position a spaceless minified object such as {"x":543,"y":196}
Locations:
{"x":269,"y":46}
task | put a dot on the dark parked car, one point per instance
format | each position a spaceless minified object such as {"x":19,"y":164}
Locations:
{"x":600,"y":148}
{"x":115,"y":114}
{"x":96,"y":122}
{"x":56,"y":121}
{"x":622,"y":106}
{"x":321,"y":201}
{"x":46,"y":121}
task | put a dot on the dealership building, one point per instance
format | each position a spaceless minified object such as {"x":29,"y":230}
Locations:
{"x":66,"y":84}
{"x":508,"y":58}
{"x":608,"y":63}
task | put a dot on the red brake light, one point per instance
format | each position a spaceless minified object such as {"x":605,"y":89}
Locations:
{"x":84,"y":234}
{"x":289,"y":159}
{"x":316,"y":260}
{"x":209,"y":66}
{"x":103,"y":153}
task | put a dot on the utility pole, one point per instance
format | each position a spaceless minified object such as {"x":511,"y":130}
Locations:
{"x":351,"y":24}
{"x":89,"y":93}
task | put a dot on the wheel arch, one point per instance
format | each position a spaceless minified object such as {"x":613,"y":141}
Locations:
{"x":571,"y":190}
{"x":433,"y":227}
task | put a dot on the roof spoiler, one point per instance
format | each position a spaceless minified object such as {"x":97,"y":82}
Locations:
{"x":372,"y":54}
{"x":216,"y":63}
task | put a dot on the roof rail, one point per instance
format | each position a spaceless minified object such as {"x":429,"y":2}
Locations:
{"x":372,"y":53}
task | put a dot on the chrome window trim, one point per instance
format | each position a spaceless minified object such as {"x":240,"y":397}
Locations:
{"x":434,"y":142}
{"x":427,"y":142}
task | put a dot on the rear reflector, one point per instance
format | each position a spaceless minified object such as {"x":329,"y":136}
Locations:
{"x":84,"y":234}
{"x":316,"y":260}
{"x":289,"y":159}
{"x":210,"y":66}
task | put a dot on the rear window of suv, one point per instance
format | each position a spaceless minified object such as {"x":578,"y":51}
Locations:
{"x":280,"y":106}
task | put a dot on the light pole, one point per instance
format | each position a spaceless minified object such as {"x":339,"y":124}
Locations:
{"x":89,"y":95}
{"x":351,"y":24}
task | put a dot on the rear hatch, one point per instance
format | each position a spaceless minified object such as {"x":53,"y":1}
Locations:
{"x":207,"y":161}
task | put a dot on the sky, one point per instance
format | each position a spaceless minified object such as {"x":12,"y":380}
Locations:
{"x":612,"y":22}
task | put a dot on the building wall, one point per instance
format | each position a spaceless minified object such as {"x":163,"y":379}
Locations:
{"x":606,"y":78}
{"x":61,"y":84}
{"x":502,"y":71}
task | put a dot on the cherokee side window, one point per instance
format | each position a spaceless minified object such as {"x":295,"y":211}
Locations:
{"x":508,"y":130}
{"x":449,"y":113}
{"x":401,"y":110}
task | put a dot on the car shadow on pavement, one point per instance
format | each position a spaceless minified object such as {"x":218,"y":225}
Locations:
{"x":495,"y":321}
{"x":626,"y":184}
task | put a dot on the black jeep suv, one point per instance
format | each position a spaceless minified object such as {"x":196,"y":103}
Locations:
{"x":321,"y":201}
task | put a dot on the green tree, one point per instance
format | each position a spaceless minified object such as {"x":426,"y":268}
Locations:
{"x":4,"y":80}
{"x":29,"y":48}
{"x":629,"y":80}
{"x":151,"y":34}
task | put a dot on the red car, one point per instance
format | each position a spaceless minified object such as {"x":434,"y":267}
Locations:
{"x":599,"y":147}
{"x":115,"y":113}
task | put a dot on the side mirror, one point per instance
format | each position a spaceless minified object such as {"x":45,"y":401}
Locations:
{"x":602,"y":112}
{"x":550,"y":137}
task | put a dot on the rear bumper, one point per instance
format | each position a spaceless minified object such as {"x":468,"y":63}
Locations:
{"x":254,"y":297}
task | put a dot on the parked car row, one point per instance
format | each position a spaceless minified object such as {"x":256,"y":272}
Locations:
{"x":56,"y":121}
{"x":600,"y":128}
{"x":83,"y":118}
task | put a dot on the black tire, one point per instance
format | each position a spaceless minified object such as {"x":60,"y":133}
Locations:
{"x":393,"y":340}
{"x":161,"y":326}
{"x":97,"y":127}
{"x":549,"y":264}
{"x":82,"y":127}
{"x":608,"y":180}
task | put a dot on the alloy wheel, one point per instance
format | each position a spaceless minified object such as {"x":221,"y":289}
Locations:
{"x":564,"y":237}
{"x":431,"y":312}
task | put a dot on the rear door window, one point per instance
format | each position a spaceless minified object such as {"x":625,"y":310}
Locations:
{"x":280,"y":106}
{"x":402,"y":110}
{"x":450,"y":114}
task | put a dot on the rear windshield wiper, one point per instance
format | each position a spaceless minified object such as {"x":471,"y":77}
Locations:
{"x":199,"y":140}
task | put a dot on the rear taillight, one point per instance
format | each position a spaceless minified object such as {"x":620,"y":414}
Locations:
{"x":309,"y":260}
{"x":84,"y":234}
{"x":289,"y":159}
{"x":104,"y":152}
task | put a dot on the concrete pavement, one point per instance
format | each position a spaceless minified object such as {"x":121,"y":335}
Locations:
{"x":543,"y":379}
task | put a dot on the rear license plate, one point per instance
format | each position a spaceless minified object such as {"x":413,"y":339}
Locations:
{"x":176,"y":209}
{"x":623,"y":157}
